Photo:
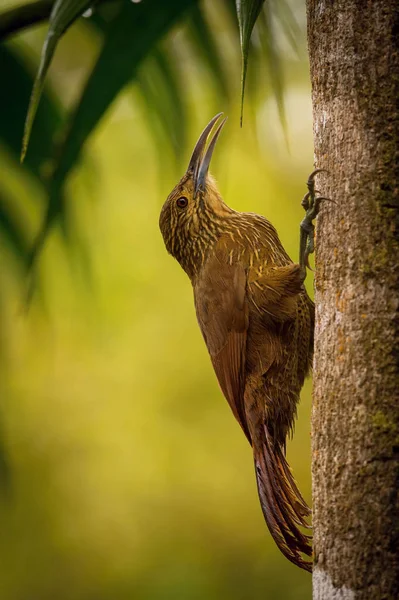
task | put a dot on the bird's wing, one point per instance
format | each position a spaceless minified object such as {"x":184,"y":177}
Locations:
{"x":222,"y":312}
{"x":274,"y":291}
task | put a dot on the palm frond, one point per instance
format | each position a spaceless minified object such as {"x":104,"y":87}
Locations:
{"x":117,"y":64}
{"x":63,"y":14}
{"x":14,"y":71}
{"x":247,"y":13}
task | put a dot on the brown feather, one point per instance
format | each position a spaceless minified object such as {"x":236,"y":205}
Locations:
{"x":222,"y":314}
{"x":279,"y":513}
{"x":257,"y":322}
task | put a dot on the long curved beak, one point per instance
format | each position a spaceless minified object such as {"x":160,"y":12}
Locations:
{"x":201,"y":157}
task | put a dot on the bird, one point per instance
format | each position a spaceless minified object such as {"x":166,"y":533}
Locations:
{"x":257,"y":321}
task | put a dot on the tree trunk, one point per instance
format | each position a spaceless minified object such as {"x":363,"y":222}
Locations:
{"x":354,"y":62}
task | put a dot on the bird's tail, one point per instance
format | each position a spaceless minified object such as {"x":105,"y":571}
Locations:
{"x":282,"y":504}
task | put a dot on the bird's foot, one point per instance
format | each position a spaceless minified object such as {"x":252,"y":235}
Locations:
{"x":311,"y":203}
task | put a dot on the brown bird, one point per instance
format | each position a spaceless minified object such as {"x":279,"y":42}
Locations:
{"x":257,"y":322}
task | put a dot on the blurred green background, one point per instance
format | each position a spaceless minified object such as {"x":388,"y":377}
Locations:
{"x":125,"y":476}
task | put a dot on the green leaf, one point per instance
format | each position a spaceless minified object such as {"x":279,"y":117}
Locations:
{"x":13,"y":19}
{"x":19,"y":78}
{"x":288,"y":22}
{"x":11,"y":231}
{"x":247,"y":13}
{"x":131,"y":36}
{"x":273,"y":60}
{"x":162,"y":91}
{"x":201,"y":35}
{"x":174,"y":110}
{"x":63,"y":14}
{"x":162,"y":84}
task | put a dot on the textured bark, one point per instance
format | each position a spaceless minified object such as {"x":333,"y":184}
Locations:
{"x":354,"y":60}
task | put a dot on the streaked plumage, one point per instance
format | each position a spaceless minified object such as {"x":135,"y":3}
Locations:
{"x":257,"y":322}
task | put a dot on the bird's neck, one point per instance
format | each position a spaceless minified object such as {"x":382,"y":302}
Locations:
{"x":194,"y":244}
{"x":244,"y":235}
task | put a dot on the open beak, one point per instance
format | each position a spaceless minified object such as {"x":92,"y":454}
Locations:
{"x":202,"y":154}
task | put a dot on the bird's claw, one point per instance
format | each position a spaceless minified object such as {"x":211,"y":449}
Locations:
{"x":307,"y":263}
{"x":311,"y":203}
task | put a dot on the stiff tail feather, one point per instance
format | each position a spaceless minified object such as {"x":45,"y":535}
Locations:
{"x":283,"y":506}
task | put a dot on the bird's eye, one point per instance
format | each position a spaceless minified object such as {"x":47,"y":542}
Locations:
{"x":182,"y":202}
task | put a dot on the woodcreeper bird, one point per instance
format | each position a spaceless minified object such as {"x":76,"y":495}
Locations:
{"x":257,"y":322}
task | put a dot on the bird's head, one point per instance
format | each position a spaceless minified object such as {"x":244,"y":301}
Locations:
{"x":190,"y":216}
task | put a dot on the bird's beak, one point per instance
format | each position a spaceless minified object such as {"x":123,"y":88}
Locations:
{"x":201,"y":157}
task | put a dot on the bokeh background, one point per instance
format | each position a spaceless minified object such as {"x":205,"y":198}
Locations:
{"x":124,"y":474}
